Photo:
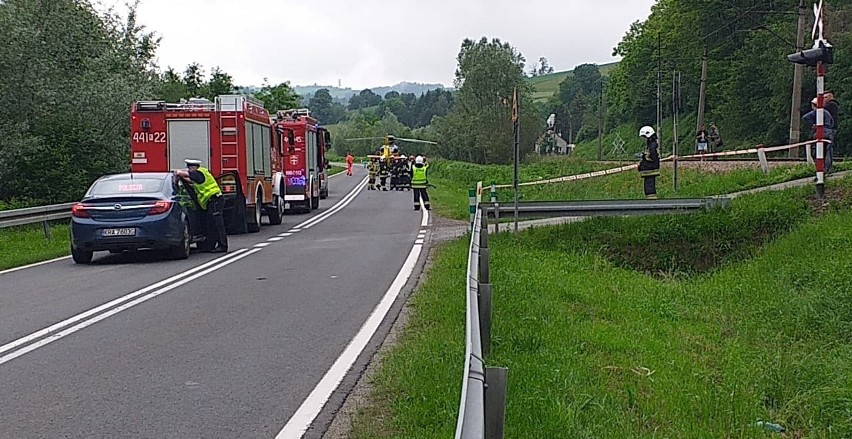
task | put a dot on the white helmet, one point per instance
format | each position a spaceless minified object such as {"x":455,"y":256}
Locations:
{"x":646,"y":132}
{"x":418,"y":160}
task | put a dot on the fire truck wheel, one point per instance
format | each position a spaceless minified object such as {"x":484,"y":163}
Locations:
{"x":276,"y":214}
{"x":258,"y":214}
{"x":315,"y":202}
{"x":181,"y":251}
{"x":81,"y":256}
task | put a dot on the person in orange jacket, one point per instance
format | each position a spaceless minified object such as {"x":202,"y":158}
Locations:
{"x":349,"y":161}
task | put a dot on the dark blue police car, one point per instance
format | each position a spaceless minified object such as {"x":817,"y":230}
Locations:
{"x":136,"y":211}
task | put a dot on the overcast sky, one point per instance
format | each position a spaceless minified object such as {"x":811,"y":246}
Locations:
{"x":370,"y":43}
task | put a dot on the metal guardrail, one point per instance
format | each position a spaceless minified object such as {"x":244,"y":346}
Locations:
{"x":606,"y":207}
{"x":32,"y":215}
{"x":483,"y":397}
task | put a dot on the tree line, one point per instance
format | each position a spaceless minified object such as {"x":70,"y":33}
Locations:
{"x":749,"y":80}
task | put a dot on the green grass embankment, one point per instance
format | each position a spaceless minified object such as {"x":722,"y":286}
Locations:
{"x":453,"y":179}
{"x":27,"y":244}
{"x":670,"y":326}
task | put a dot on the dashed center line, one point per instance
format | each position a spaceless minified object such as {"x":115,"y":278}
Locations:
{"x":275,"y":238}
{"x":262,"y":244}
{"x":284,"y":235}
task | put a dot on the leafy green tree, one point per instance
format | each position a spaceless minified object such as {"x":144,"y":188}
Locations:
{"x":193,"y":79}
{"x":365,"y":99}
{"x":478,"y":128}
{"x":278,"y":97}
{"x":220,"y":83}
{"x":69,"y":75}
{"x":172,"y":87}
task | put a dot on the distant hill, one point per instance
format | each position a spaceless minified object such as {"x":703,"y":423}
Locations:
{"x":546,"y":85}
{"x":343,"y":94}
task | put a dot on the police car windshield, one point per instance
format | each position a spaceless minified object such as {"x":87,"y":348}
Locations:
{"x":127,"y":186}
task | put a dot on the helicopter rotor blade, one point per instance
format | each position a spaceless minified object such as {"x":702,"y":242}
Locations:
{"x":417,"y":141}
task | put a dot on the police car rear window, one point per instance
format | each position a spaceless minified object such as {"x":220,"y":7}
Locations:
{"x":127,"y":186}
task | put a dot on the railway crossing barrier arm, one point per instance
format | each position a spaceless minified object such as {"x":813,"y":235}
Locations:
{"x":33,"y":215}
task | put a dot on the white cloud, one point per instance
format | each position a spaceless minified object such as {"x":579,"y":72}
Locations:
{"x":377,"y":42}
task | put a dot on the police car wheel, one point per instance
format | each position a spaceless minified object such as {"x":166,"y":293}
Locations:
{"x":181,"y":251}
{"x":81,"y":256}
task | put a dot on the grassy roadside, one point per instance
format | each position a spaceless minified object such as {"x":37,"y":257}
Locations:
{"x":453,"y":179}
{"x":595,"y":349}
{"x":27,"y":244}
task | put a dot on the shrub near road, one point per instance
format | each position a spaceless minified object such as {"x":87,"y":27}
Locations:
{"x":597,"y":349}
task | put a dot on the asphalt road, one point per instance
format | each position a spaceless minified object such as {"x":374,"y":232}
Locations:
{"x":215,"y":346}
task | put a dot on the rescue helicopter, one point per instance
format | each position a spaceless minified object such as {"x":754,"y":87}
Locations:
{"x":386,"y":153}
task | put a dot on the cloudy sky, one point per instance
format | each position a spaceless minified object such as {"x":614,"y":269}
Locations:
{"x":377,"y":42}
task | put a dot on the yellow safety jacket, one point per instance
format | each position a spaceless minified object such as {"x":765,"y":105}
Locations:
{"x":208,"y":189}
{"x":418,"y":177}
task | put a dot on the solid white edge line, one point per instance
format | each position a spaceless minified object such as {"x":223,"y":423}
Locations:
{"x":110,"y":304}
{"x":354,"y":190}
{"x":24,"y":267}
{"x":337,"y":207}
{"x":313,"y":404}
{"x":68,"y":331}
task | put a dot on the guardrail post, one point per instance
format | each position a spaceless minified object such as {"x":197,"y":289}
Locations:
{"x":471,"y":207}
{"x":495,"y":205}
{"x":484,"y":287}
{"x":761,"y":155}
{"x":496,"y":381}
{"x":46,"y":226}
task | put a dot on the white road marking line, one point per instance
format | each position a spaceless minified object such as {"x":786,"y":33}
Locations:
{"x":227,"y":258}
{"x":72,"y":320}
{"x":11,"y":270}
{"x":310,"y":408}
{"x":292,"y":231}
{"x":338,"y":207}
{"x":261,"y":244}
{"x":425,"y":221}
{"x":351,"y":193}
{"x":419,"y":241}
{"x":284,"y":235}
{"x":275,"y":238}
{"x":68,"y":331}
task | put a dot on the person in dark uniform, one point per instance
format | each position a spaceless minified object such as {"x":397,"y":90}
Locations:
{"x":211,"y":200}
{"x":383,"y":174}
{"x":649,"y":167}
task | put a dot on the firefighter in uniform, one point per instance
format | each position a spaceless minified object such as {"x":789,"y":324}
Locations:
{"x":211,"y":200}
{"x":372,"y":170}
{"x":419,"y":183}
{"x":649,"y":166}
{"x":383,"y":174}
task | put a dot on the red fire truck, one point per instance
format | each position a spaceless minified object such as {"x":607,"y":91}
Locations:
{"x":303,"y":144}
{"x":232,"y":136}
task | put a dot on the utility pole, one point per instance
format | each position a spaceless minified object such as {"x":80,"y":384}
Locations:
{"x":702,"y":94}
{"x":798,"y":70}
{"x":600,"y":125}
{"x":659,"y":89}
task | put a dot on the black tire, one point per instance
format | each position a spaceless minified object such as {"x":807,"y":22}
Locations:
{"x":315,"y":202}
{"x":81,"y":256}
{"x":324,"y":194}
{"x":181,"y":251}
{"x":254,"y":227}
{"x":276,"y":216}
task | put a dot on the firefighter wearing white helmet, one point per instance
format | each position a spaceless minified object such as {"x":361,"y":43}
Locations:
{"x":419,"y":182}
{"x":649,"y":166}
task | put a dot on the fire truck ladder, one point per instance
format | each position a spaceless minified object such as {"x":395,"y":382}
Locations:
{"x":228,"y":129}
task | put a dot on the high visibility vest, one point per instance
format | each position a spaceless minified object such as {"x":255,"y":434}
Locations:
{"x":208,"y":189}
{"x":418,"y":177}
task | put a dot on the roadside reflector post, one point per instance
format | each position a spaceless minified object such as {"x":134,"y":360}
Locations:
{"x":46,"y":226}
{"x":496,"y":382}
{"x":761,"y":156}
{"x":484,"y":287}
{"x":496,"y":207}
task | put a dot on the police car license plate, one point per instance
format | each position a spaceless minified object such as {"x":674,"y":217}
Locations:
{"x":130,"y":231}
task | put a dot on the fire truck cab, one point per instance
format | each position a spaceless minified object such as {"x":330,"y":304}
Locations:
{"x":302,"y":145}
{"x":232,"y":137}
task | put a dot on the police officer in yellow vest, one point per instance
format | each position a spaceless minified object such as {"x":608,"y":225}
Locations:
{"x":419,"y":183}
{"x":210,"y":199}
